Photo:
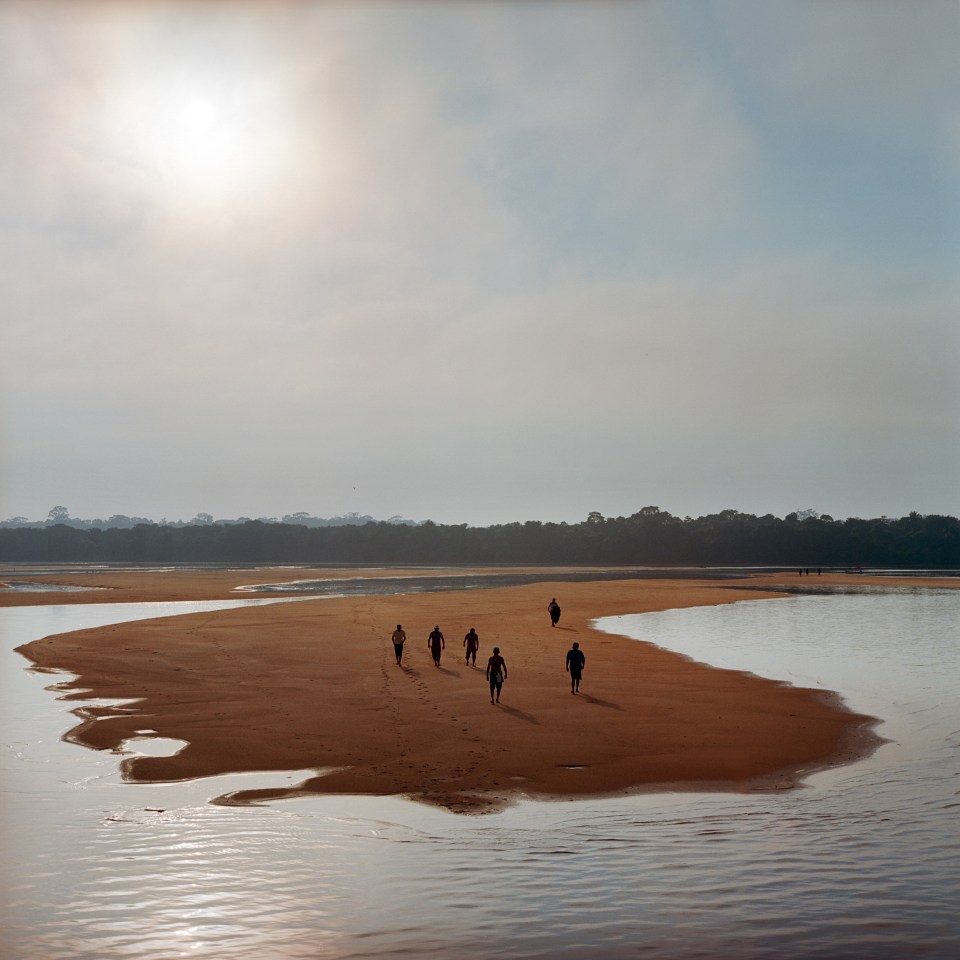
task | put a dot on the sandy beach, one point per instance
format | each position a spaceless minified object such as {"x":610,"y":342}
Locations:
{"x":313,"y":685}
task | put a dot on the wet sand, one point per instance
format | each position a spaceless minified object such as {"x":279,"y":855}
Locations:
{"x":314,"y":685}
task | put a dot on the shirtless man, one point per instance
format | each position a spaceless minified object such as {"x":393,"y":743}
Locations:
{"x":472,"y":642}
{"x":436,"y":643}
{"x":399,"y":638}
{"x":496,"y":673}
{"x":575,"y":662}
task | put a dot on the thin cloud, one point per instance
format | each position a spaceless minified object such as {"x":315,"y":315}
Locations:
{"x":479,"y":261}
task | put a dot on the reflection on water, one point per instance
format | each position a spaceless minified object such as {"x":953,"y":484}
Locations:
{"x":28,"y":586}
{"x":392,"y":586}
{"x":859,"y":864}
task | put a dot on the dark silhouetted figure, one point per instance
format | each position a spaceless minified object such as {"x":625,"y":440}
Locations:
{"x":496,"y":674}
{"x":575,"y":662}
{"x":554,"y":609}
{"x":399,"y":639}
{"x":436,"y":643}
{"x":472,"y":642}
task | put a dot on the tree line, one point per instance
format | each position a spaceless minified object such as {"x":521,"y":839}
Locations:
{"x":650,"y":536}
{"x":61,"y":514}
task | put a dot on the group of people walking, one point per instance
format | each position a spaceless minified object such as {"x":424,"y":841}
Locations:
{"x":437,"y":643}
{"x":496,"y":665}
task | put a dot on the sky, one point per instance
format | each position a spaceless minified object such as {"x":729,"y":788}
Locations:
{"x":479,"y":262}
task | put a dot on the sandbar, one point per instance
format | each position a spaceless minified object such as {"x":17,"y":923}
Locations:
{"x":313,"y":685}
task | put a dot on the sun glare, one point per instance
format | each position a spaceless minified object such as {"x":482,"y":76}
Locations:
{"x":199,"y":115}
{"x":204,"y":143}
{"x":205,"y":140}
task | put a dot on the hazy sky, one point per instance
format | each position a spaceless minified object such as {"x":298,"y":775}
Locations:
{"x":479,"y":262}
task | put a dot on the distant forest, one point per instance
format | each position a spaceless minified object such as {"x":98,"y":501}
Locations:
{"x":650,"y":536}
{"x":120,"y":521}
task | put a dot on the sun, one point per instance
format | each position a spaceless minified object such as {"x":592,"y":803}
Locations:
{"x":200,"y":142}
{"x":217,"y":143}
{"x":203,"y":141}
{"x":199,"y":115}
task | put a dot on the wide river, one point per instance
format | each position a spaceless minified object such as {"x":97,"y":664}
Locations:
{"x":862,"y":862}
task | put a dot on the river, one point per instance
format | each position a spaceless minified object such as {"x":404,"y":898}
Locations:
{"x":861,"y":862}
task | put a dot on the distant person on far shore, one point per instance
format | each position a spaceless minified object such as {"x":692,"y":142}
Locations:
{"x":472,"y":642}
{"x":554,"y":608}
{"x":436,"y":643}
{"x":399,"y":639}
{"x":496,"y":673}
{"x":575,"y":662}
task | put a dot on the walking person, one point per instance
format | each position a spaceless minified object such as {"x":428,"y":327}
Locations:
{"x":472,"y":642}
{"x":496,"y":673}
{"x":436,"y":643}
{"x":399,"y":639}
{"x":575,"y":662}
{"x":554,"y":609}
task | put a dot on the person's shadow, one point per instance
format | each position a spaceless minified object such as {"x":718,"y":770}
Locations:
{"x":598,"y":701}
{"x":519,"y":714}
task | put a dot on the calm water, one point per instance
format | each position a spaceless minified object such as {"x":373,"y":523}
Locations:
{"x":861,"y":863}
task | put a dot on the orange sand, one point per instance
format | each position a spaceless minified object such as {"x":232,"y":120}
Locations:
{"x":314,"y":685}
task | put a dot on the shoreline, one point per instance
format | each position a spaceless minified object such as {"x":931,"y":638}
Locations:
{"x":314,"y":685}
{"x":156,"y":583}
